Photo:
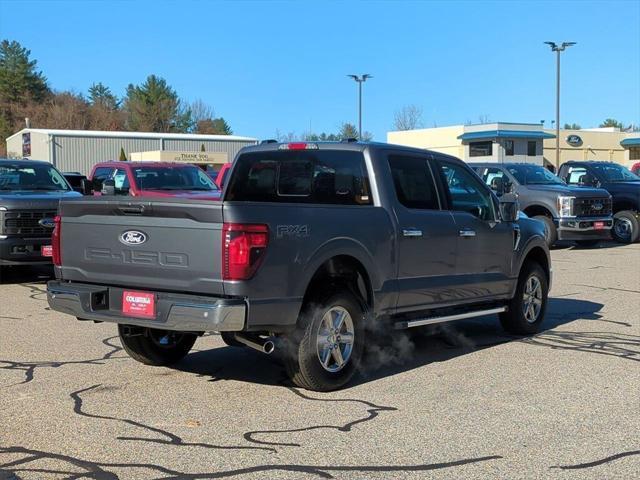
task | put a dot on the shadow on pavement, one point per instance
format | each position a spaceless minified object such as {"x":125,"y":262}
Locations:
{"x":402,"y":351}
{"x":25,"y":274}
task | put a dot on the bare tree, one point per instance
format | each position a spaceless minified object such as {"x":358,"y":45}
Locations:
{"x":202,"y":111}
{"x":408,"y":117}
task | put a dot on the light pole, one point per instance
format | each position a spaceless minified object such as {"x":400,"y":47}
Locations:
{"x":558,"y":49}
{"x":360,"y":81}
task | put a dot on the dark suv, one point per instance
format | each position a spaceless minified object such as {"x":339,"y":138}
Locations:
{"x":624,"y":187}
{"x":29,"y":195}
{"x":569,"y":213}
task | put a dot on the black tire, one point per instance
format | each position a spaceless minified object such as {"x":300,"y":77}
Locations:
{"x":302,"y":353}
{"x":626,"y":228}
{"x":550,"y":231}
{"x":514,"y":319}
{"x":147,"y":345}
{"x":587,"y":243}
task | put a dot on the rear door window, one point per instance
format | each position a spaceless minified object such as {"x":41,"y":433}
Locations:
{"x":301,"y":176}
{"x":122,"y":181}
{"x":575,"y":175}
{"x":414,"y":184}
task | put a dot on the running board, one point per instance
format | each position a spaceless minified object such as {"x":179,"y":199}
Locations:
{"x":448,"y":318}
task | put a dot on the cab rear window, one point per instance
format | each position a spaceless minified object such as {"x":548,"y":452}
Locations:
{"x":305,"y":176}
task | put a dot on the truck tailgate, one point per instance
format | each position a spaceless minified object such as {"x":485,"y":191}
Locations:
{"x":168,"y":244}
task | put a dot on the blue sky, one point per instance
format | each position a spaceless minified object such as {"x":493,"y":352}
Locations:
{"x":283,"y":65}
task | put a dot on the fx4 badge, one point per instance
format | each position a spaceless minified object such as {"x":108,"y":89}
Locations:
{"x":292,"y":231}
{"x":133,"y":237}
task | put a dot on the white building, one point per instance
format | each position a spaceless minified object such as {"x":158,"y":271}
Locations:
{"x":79,"y":150}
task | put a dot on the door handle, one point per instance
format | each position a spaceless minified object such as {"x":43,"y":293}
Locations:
{"x":467,"y":233}
{"x":412,"y":232}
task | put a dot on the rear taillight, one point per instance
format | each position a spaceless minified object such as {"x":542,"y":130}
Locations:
{"x":56,"y":255}
{"x":243,"y":247}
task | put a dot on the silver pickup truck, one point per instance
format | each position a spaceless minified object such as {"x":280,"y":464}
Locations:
{"x":313,"y":246}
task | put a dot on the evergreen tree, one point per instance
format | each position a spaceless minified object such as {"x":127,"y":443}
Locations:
{"x":19,"y":79}
{"x":101,"y":96}
{"x":155,"y":107}
{"x":123,"y":156}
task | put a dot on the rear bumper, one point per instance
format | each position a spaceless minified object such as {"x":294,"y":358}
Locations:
{"x":185,"y":313}
{"x":23,"y":251}
{"x":583,"y":228}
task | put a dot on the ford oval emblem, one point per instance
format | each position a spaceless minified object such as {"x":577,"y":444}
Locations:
{"x":133,"y":237}
{"x":597,"y":206}
{"x":47,"y":222}
{"x":574,"y":140}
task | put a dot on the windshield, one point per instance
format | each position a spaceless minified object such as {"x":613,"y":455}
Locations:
{"x":534,"y":175}
{"x":186,"y":177}
{"x":31,"y":177}
{"x":611,"y":172}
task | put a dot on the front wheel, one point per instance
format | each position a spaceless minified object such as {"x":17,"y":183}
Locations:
{"x":325,"y":351}
{"x":155,"y":347}
{"x":527,"y":308}
{"x":625,"y":227}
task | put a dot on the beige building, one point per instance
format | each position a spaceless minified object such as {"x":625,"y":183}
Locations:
{"x":523,"y":142}
{"x":595,"y":144}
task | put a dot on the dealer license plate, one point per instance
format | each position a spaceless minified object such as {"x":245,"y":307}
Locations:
{"x":139,"y":304}
{"x":46,"y":250}
{"x":598,"y":225}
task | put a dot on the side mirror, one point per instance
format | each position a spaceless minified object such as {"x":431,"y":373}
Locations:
{"x":497,"y":185}
{"x":509,"y":208}
{"x":86,"y":186}
{"x":108,"y":187}
{"x":507,"y":186}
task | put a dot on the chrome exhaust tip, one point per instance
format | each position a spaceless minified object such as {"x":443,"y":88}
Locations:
{"x":264,"y":345}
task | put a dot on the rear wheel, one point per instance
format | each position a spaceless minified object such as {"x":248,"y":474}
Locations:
{"x":155,"y":347}
{"x":527,"y":308}
{"x":625,"y":227}
{"x":325,"y":351}
{"x":550,"y":230}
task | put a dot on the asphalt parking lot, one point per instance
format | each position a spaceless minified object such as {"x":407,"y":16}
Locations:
{"x":465,"y":401}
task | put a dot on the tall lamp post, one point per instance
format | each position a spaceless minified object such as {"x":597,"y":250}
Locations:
{"x":558,"y":49}
{"x":360,"y":81}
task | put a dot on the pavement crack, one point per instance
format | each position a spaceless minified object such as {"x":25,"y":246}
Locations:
{"x":170,"y":438}
{"x":29,"y":368}
{"x":102,"y":470}
{"x":595,"y":463}
{"x":373,"y":411}
{"x":623,"y":346}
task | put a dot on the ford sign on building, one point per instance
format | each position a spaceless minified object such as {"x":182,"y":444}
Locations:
{"x":574,"y":140}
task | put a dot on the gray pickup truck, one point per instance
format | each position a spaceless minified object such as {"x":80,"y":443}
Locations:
{"x":313,"y":247}
{"x":582,"y":215}
{"x":29,"y":195}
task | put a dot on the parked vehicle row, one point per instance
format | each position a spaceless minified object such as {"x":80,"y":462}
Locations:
{"x":569,"y":213}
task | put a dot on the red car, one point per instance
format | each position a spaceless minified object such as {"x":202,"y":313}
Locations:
{"x":221,"y":177}
{"x":154,"y":179}
{"x":635,"y":168}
